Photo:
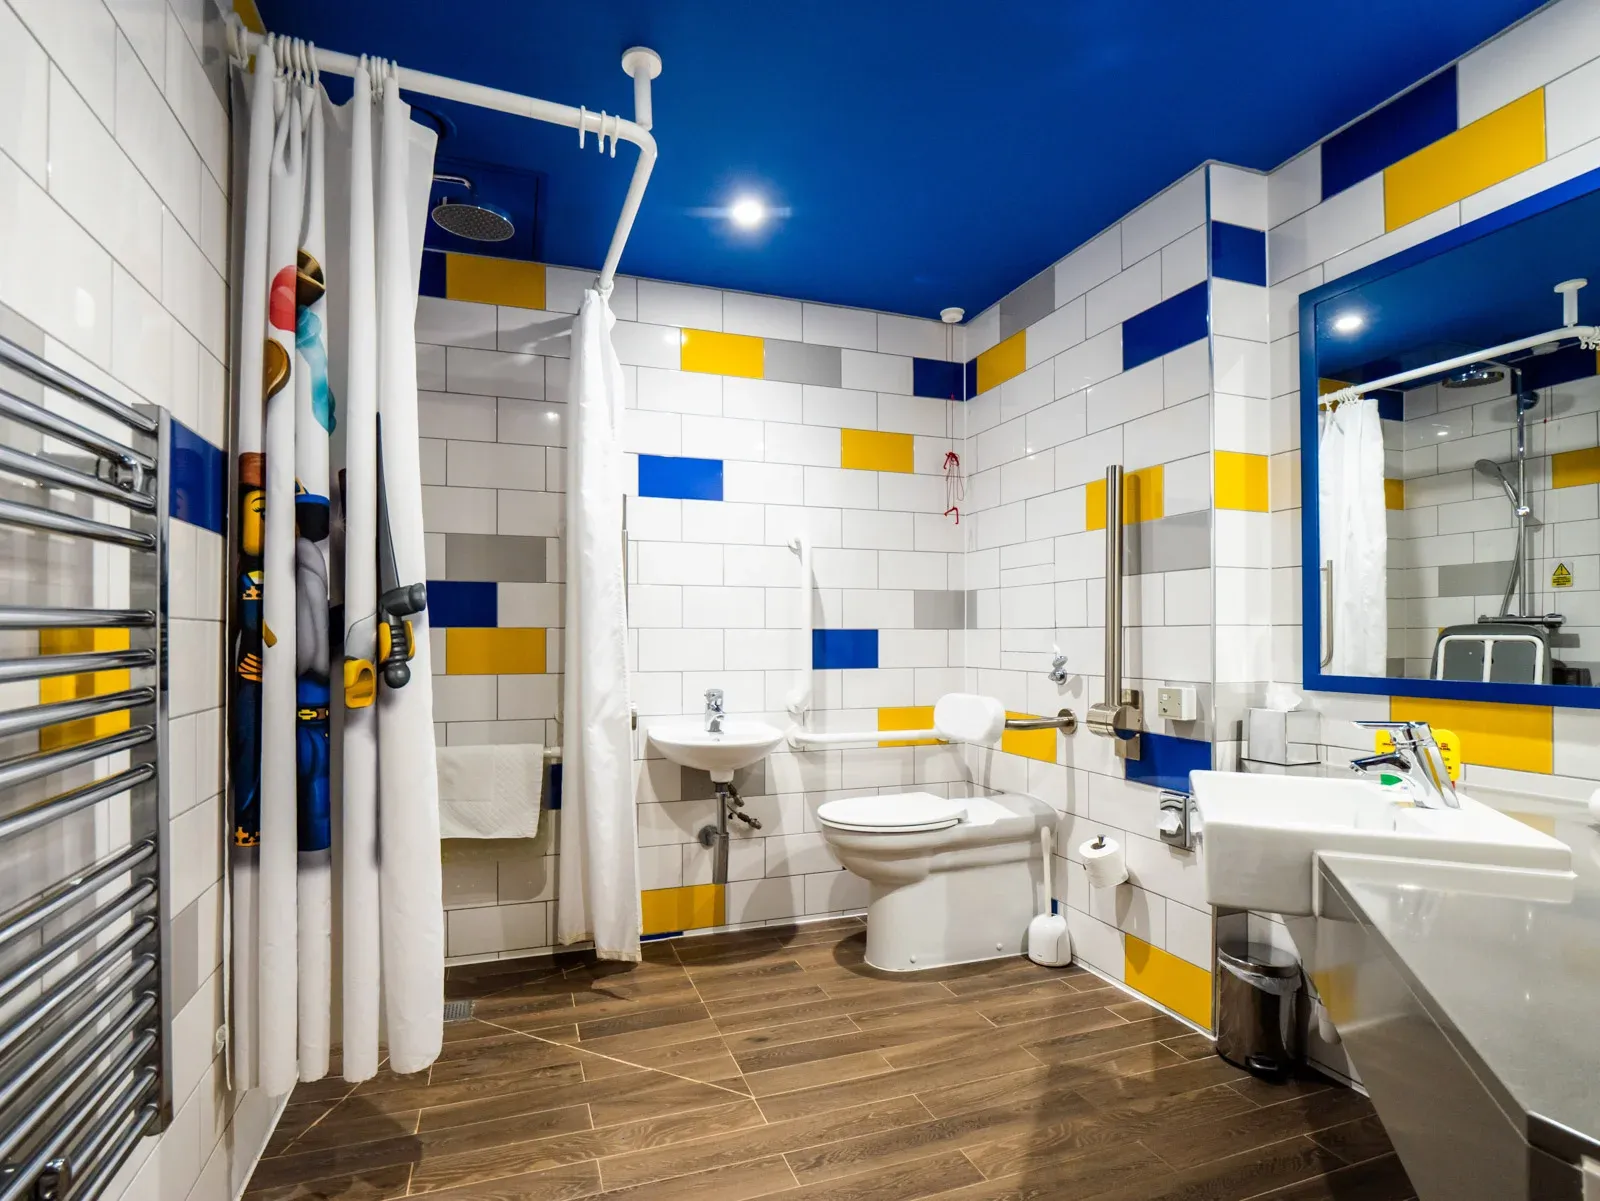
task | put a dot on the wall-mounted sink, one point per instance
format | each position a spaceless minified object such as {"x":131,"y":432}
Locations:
{"x":1262,"y":834}
{"x":739,"y":744}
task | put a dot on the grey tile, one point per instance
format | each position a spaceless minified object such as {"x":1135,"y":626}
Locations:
{"x":1178,"y":543}
{"x":1034,"y":300}
{"x":185,"y":948}
{"x":939,"y":609}
{"x":1473,"y":579}
{"x":802,"y":363}
{"x":972,"y":608}
{"x":749,"y":781}
{"x":495,"y":558}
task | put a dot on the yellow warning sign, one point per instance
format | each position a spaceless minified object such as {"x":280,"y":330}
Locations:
{"x":1561,"y":577}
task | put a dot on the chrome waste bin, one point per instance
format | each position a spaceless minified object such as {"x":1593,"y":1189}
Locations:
{"x":1258,"y":1026}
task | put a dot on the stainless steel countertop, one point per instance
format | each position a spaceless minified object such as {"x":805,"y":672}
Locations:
{"x":1515,"y":983}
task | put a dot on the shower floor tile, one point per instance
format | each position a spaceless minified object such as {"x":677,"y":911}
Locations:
{"x":774,"y":1063}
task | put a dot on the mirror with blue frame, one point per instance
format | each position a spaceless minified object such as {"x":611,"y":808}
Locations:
{"x":1450,"y":430}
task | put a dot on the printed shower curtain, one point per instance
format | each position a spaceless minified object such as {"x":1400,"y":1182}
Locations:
{"x":328,"y":263}
{"x":599,"y":892}
{"x":1355,"y":537}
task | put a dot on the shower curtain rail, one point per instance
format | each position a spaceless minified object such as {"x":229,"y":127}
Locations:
{"x":642,"y":64}
{"x":1588,"y":337}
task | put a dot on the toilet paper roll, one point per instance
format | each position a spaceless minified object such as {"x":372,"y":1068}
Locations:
{"x":1107,"y":864}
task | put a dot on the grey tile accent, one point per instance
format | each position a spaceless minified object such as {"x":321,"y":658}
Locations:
{"x":803,"y":363}
{"x":496,"y":558}
{"x":185,"y":941}
{"x":1178,"y":543}
{"x":939,"y":609}
{"x":1473,"y":579}
{"x":749,"y":781}
{"x":1034,"y":300}
{"x":972,"y":608}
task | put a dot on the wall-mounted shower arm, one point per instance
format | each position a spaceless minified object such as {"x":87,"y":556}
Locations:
{"x":641,"y":64}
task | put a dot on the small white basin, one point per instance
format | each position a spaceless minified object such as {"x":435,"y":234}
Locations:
{"x":1262,"y":834}
{"x":739,"y":744}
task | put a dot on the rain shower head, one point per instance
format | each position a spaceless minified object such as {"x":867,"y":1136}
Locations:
{"x":1475,"y":375}
{"x":471,"y":218}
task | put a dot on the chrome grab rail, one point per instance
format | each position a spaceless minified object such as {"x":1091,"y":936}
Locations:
{"x":1327,"y":609}
{"x":1065,"y":721}
{"x":86,"y":997}
{"x":1117,"y":716}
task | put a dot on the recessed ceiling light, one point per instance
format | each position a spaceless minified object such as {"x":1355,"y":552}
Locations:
{"x":747,"y":212}
{"x":1348,"y":323}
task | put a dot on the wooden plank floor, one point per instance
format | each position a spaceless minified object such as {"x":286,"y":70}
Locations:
{"x":774,"y":1063}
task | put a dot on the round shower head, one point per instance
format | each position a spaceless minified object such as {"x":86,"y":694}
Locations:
{"x":1475,"y":375}
{"x":473,"y":219}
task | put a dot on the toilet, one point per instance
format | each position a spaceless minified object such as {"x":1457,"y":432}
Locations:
{"x":951,"y":881}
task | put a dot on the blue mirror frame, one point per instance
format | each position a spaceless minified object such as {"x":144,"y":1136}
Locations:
{"x":1313,"y":678}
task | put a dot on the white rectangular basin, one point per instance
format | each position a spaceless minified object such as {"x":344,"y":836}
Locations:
{"x":1261,"y":834}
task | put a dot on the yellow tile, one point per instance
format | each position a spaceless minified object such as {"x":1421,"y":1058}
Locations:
{"x":71,"y":688}
{"x":1495,"y":147}
{"x":1520,"y":737}
{"x":1241,"y":481}
{"x":1167,"y":980}
{"x":1573,"y":467}
{"x":1031,"y":744}
{"x":694,"y":907}
{"x":514,"y":651}
{"x":1324,"y":386}
{"x":911,"y":717}
{"x":1394,"y":494}
{"x":250,"y":15}
{"x":494,"y":281}
{"x":1143,"y":498}
{"x":870,"y":450}
{"x":1336,"y":989}
{"x":723,"y":354}
{"x":999,"y":363}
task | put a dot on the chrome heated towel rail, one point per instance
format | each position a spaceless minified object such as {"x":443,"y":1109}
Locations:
{"x":85,"y":985}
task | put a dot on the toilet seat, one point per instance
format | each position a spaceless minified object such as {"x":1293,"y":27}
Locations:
{"x":894,"y":813}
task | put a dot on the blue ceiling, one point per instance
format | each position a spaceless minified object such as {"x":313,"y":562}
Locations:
{"x":928,"y":153}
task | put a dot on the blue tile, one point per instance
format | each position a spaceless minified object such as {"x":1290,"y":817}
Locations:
{"x":463,"y":603}
{"x":197,"y":480}
{"x":844,"y":648}
{"x":552,"y":792}
{"x":971,"y":389}
{"x":1238,"y":253}
{"x":1382,"y":138}
{"x":680,"y":479}
{"x":1558,"y":367}
{"x":662,"y":935}
{"x":1165,"y":761}
{"x":937,"y":379}
{"x":431,"y":282}
{"x":1392,"y":404}
{"x":1176,"y":321}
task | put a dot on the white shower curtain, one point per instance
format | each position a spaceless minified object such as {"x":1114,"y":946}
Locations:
{"x":329,"y":261}
{"x":599,"y":893}
{"x":1355,"y":537}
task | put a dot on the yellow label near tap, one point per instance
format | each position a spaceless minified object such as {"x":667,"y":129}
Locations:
{"x":1449,"y":750}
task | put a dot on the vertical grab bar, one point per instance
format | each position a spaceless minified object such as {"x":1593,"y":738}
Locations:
{"x":1327,"y":609}
{"x":800,"y":698}
{"x":1116,"y":717}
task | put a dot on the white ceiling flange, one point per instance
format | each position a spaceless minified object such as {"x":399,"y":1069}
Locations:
{"x":1569,"y":299}
{"x":952,"y":315}
{"x":643,"y":65}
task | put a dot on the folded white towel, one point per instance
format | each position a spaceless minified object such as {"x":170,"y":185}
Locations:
{"x":490,"y":791}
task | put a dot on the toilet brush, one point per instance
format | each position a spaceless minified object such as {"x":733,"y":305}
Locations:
{"x":1049,"y":943}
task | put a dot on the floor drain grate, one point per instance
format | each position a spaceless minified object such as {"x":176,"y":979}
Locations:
{"x":457,"y":1011}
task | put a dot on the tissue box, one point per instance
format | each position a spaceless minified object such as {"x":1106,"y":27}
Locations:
{"x":1285,"y":738}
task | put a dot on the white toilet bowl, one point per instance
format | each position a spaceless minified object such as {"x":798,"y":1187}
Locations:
{"x":951,"y":881}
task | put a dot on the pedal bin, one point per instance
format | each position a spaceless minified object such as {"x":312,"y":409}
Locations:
{"x":1258,"y":1026}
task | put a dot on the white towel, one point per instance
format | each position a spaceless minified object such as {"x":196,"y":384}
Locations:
{"x":490,"y":791}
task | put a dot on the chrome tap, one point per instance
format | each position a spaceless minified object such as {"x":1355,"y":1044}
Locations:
{"x":714,"y":713}
{"x":1415,"y":756}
